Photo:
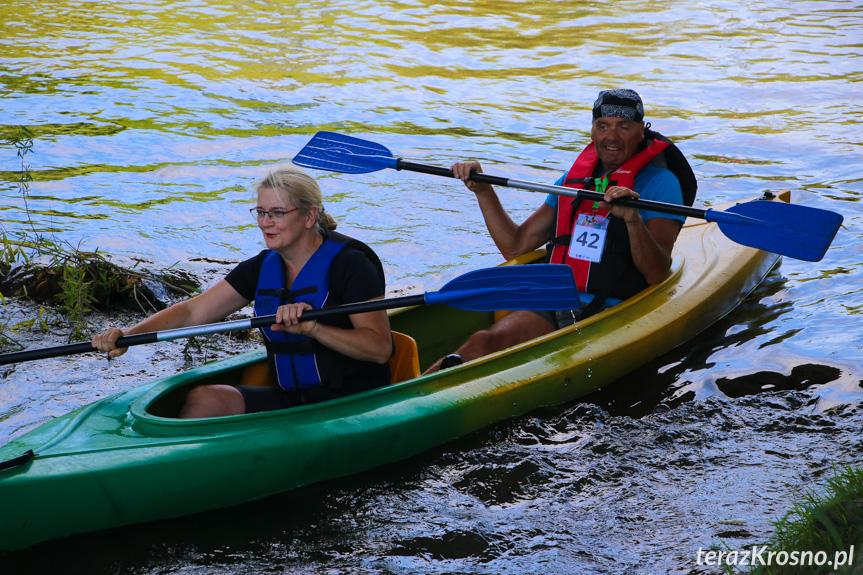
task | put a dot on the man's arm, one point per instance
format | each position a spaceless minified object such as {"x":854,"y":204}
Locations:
{"x":651,"y":242}
{"x":510,"y":238}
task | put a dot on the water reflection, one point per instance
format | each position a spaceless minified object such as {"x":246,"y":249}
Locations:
{"x":800,"y":378}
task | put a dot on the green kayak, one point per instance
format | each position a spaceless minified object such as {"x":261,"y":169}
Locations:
{"x":128,"y":459}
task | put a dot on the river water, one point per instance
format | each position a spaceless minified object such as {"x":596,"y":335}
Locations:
{"x":151,"y":119}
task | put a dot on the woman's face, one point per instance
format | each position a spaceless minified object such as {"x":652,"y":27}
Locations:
{"x":289,"y":224}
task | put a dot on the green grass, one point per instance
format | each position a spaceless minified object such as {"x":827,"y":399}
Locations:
{"x":830,"y":522}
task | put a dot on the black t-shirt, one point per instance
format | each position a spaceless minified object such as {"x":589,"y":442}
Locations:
{"x":353,"y":277}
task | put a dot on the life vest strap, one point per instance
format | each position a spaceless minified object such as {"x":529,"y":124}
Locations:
{"x":563,"y":240}
{"x":578,"y":181}
{"x":285,"y":294}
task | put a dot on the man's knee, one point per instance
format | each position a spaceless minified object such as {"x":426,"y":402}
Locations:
{"x":513,"y":329}
{"x":481,"y":343}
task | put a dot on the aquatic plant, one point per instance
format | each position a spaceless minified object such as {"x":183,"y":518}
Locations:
{"x":75,"y":280}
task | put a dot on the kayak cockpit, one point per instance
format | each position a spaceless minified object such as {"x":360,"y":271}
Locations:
{"x":254,"y":370}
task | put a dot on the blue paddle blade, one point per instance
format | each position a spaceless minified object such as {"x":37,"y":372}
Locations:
{"x":529,"y":287}
{"x":340,"y":153}
{"x":787,"y":229}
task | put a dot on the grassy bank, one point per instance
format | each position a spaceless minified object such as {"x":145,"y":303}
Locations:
{"x":823,"y":533}
{"x":831,"y":522}
{"x":73,"y":282}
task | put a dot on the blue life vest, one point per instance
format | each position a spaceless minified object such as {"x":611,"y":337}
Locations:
{"x":294,"y":358}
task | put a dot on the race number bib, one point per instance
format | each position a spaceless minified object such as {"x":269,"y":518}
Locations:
{"x":588,"y":237}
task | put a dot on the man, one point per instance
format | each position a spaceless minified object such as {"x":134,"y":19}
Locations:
{"x":615,"y":251}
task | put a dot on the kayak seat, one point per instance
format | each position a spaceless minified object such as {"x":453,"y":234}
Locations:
{"x":257,"y":373}
{"x":404,"y":364}
{"x":405,"y":361}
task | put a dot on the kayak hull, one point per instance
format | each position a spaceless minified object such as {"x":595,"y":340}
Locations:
{"x":127,"y":459}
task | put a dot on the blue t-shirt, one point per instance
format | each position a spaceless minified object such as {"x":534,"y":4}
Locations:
{"x":651,"y":183}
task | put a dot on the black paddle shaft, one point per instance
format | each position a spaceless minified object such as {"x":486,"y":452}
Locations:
{"x":557,"y":190}
{"x":73,"y":348}
{"x":255,"y":322}
{"x":352,"y":308}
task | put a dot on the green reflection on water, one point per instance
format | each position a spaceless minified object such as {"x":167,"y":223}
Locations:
{"x":53,"y":130}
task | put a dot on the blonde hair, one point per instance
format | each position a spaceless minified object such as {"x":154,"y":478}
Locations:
{"x":299,"y":189}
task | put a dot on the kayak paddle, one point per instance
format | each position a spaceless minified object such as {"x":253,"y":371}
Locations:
{"x":791,"y":230}
{"x":530,"y":287}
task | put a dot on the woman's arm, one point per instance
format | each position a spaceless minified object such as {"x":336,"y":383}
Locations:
{"x":210,"y":306}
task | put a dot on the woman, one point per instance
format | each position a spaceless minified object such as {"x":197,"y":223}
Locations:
{"x":306,"y":265}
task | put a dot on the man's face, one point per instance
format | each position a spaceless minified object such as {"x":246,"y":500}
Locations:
{"x":616,"y":140}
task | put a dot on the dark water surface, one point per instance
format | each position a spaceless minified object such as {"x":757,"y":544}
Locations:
{"x":152,"y":119}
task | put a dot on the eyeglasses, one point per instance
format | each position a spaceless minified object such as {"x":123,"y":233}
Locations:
{"x":275,"y":214}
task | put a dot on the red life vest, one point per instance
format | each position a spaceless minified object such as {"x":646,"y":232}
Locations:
{"x":616,"y":257}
